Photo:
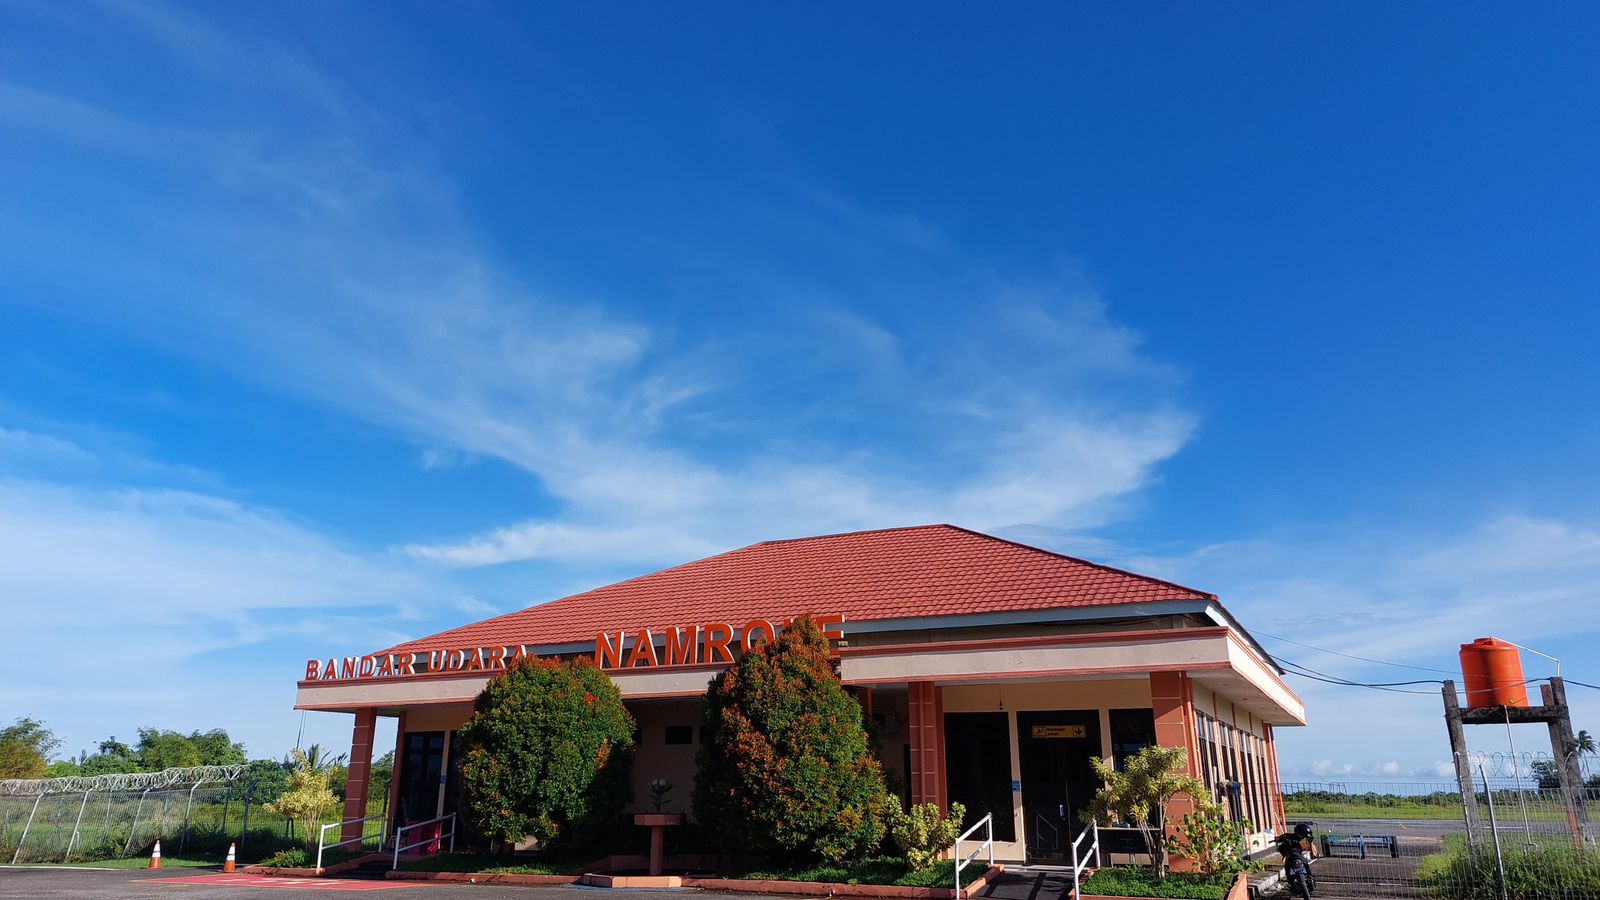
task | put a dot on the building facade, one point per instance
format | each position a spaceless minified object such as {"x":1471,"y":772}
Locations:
{"x":991,"y":673}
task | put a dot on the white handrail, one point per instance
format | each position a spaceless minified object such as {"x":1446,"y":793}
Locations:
{"x":1081,"y":864}
{"x":322,"y":835}
{"x":987,"y":824}
{"x":401,"y":848}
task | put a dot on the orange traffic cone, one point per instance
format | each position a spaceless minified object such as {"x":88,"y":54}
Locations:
{"x":155,"y":856}
{"x":227,"y":865}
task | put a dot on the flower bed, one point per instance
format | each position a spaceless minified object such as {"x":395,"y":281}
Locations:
{"x":299,"y":864}
{"x":1138,"y":881}
{"x":880,"y":877}
{"x":491,"y":864}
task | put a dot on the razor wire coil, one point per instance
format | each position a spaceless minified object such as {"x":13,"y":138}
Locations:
{"x":122,"y":781}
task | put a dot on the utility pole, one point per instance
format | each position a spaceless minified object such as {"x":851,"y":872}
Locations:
{"x":1458,"y":751}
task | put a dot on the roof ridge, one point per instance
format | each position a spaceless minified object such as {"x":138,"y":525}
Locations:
{"x":1089,"y":562}
{"x":549,"y":603}
{"x":837,"y":534}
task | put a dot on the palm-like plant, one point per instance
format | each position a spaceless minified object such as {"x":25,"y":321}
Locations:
{"x":317,"y":759}
{"x":1585,"y":743}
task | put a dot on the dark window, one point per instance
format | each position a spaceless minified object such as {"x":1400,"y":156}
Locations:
{"x":977,"y":767}
{"x":1132,"y":730}
{"x":679,"y":734}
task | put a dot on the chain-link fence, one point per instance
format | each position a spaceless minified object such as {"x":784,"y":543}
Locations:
{"x":1521,"y":837}
{"x":195,"y":813}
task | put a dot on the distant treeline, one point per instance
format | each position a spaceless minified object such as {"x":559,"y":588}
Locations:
{"x":26,"y":746}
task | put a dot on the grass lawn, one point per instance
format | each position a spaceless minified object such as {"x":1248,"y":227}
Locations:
{"x":140,"y":862}
{"x":499,"y":865}
{"x":878,"y":870}
{"x":1138,"y":881}
{"x":1411,"y":811}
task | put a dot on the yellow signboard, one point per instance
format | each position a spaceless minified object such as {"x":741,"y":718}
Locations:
{"x":1059,"y":731}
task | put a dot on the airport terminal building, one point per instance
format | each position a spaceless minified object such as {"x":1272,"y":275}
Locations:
{"x":991,"y":671}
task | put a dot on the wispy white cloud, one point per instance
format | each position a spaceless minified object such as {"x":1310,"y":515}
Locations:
{"x":143,"y":602}
{"x":1410,"y":597}
{"x":331,"y":272}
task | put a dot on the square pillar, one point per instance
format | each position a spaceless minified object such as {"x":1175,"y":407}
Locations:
{"x":1172,"y":702}
{"x":925,"y":712}
{"x":355,"y":790}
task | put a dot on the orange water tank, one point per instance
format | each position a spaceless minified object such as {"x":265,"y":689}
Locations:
{"x":1493,"y":670}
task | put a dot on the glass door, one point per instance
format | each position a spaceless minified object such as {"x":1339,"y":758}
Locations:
{"x":1057,"y":781}
{"x":421,"y":780}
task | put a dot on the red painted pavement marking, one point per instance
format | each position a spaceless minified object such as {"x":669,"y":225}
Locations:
{"x":292,"y":884}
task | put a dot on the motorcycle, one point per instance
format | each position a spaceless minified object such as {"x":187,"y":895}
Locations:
{"x":1296,"y":865}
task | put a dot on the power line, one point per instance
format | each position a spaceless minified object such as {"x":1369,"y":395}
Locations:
{"x":1367,"y":659}
{"x":1393,"y":687}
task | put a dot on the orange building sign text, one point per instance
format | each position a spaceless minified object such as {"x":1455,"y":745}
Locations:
{"x":712,"y":643}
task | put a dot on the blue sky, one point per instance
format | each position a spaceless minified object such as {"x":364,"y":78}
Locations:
{"x":327,"y":325}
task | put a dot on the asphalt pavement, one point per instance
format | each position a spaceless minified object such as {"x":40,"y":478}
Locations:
{"x":42,"y":883}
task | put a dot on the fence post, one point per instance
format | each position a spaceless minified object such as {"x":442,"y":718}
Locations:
{"x":75,"y":826}
{"x":134,"y":828}
{"x":1494,"y":833}
{"x":183,"y":842}
{"x":249,"y":792}
{"x":15,"y":856}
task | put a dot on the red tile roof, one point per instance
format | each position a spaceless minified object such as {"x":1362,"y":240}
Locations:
{"x":897,"y":573}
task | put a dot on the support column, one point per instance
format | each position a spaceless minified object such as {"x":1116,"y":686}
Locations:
{"x":1564,"y":746}
{"x":394,"y":777}
{"x":925,"y":710}
{"x":1172,"y":702}
{"x":1458,"y":752}
{"x":355,"y":791}
{"x":1280,"y":818}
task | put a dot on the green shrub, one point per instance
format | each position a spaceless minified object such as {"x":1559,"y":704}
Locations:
{"x":289,"y":859}
{"x":547,"y":753}
{"x":788,"y":772}
{"x":1139,"y":881}
{"x":493,"y":863}
{"x":1214,"y":843}
{"x":1138,"y":794}
{"x":307,"y":798}
{"x":923,"y":833}
{"x":877,"y":870}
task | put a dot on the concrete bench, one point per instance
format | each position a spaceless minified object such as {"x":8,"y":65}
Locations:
{"x":1360,"y":842}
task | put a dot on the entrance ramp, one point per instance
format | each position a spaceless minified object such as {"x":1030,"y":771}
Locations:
{"x":1031,"y":883}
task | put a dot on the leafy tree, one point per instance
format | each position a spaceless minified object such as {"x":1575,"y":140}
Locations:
{"x":62,"y":768}
{"x":265,"y":782}
{"x":1586,"y":745}
{"x":1139,"y":794}
{"x":25,"y":746}
{"x":381,"y":774}
{"x":111,"y":757}
{"x":923,"y":833}
{"x":158,"y":749}
{"x":788,"y":771}
{"x":306,"y":799}
{"x":547,"y":753}
{"x":216,"y":749}
{"x":1545,"y":771}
